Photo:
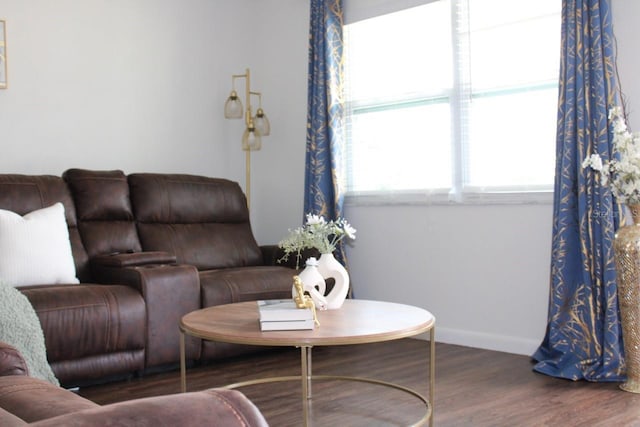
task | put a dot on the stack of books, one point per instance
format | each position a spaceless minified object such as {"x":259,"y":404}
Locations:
{"x":283,"y":315}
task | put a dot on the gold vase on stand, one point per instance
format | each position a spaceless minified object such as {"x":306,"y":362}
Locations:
{"x":627,"y":256}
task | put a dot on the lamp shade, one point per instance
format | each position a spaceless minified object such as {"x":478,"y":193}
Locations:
{"x":251,"y":138}
{"x":233,"y":106}
{"x":261,"y":122}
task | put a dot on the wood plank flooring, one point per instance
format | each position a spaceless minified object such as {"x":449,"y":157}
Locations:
{"x":473,"y":388}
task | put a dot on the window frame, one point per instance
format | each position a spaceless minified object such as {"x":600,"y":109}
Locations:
{"x":460,"y":192}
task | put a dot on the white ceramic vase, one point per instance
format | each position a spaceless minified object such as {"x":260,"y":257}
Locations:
{"x":329,"y":267}
{"x":313,"y":283}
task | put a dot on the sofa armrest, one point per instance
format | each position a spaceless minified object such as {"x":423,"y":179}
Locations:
{"x":7,"y":419}
{"x":170,"y":291}
{"x":11,"y":361}
{"x":32,"y":399}
{"x":130,"y":259}
{"x":215,"y":407}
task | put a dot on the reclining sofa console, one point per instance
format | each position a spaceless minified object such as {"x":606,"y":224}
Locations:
{"x":147,"y":248}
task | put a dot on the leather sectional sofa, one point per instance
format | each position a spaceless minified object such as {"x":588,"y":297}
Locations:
{"x":28,"y":401}
{"x":147,"y":249}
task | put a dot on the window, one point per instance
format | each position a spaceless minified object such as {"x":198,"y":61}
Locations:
{"x":453,"y":98}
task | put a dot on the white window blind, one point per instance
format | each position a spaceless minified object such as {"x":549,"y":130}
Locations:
{"x":453,"y":98}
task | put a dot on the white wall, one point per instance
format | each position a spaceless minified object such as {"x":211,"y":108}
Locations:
{"x":135,"y":85}
{"x":625,"y":19}
{"x":483,"y":271}
{"x":120,"y":84}
{"x":139,"y":85}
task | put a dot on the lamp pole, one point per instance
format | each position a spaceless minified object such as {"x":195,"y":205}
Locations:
{"x":254,"y":129}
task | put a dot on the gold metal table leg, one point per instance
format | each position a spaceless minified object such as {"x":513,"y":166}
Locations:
{"x":305,"y":375}
{"x":432,"y":372}
{"x":309,"y":374}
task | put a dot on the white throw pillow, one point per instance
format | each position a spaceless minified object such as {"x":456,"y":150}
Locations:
{"x":35,"y":248}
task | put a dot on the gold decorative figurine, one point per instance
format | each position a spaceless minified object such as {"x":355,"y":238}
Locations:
{"x":302,"y":300}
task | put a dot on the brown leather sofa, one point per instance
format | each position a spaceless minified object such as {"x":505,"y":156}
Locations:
{"x":28,"y":401}
{"x":148,"y":248}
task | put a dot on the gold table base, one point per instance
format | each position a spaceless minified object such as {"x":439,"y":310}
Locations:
{"x":307,"y":377}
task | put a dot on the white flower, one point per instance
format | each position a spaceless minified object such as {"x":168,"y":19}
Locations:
{"x":349,"y":230}
{"x":619,"y":126}
{"x":615,"y":112}
{"x":315,"y":219}
{"x":622,"y":173}
{"x":595,"y":161}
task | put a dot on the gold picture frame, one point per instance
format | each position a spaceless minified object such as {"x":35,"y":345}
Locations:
{"x":3,"y":54}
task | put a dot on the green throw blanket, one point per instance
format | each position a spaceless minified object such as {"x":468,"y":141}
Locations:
{"x":20,"y":327}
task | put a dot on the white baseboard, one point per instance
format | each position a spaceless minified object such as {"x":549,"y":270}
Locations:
{"x":485,"y":341}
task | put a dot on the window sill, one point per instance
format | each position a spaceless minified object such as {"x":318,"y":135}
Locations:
{"x":417,"y":198}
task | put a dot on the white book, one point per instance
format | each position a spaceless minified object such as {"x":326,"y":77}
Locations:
{"x":287,"y":325}
{"x":280,"y":310}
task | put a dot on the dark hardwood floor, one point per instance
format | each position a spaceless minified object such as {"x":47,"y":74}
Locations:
{"x":473,"y":388}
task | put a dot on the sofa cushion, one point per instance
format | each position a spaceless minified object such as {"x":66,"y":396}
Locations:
{"x":99,"y":194}
{"x":105,"y":215}
{"x":203,"y":221}
{"x":35,"y":248}
{"x":91,"y":331}
{"x":231,"y":285}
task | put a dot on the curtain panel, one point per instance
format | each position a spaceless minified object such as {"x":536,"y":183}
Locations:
{"x":324,"y":182}
{"x":583,"y":338}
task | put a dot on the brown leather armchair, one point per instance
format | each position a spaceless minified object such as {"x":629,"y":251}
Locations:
{"x":27,"y":401}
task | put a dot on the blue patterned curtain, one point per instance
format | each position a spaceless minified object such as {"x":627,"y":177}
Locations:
{"x":583,"y":338}
{"x":323,"y":189}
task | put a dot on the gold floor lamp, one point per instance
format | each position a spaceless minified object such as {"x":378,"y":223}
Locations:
{"x":256,"y":126}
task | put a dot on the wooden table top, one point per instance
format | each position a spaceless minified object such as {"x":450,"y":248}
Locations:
{"x":356,"y":322}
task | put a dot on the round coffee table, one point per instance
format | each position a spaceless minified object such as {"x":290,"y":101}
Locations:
{"x":356,"y":322}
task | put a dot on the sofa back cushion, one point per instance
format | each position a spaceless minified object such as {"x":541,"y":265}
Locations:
{"x":203,"y":221}
{"x":105,"y":216}
{"x":23,"y":194}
